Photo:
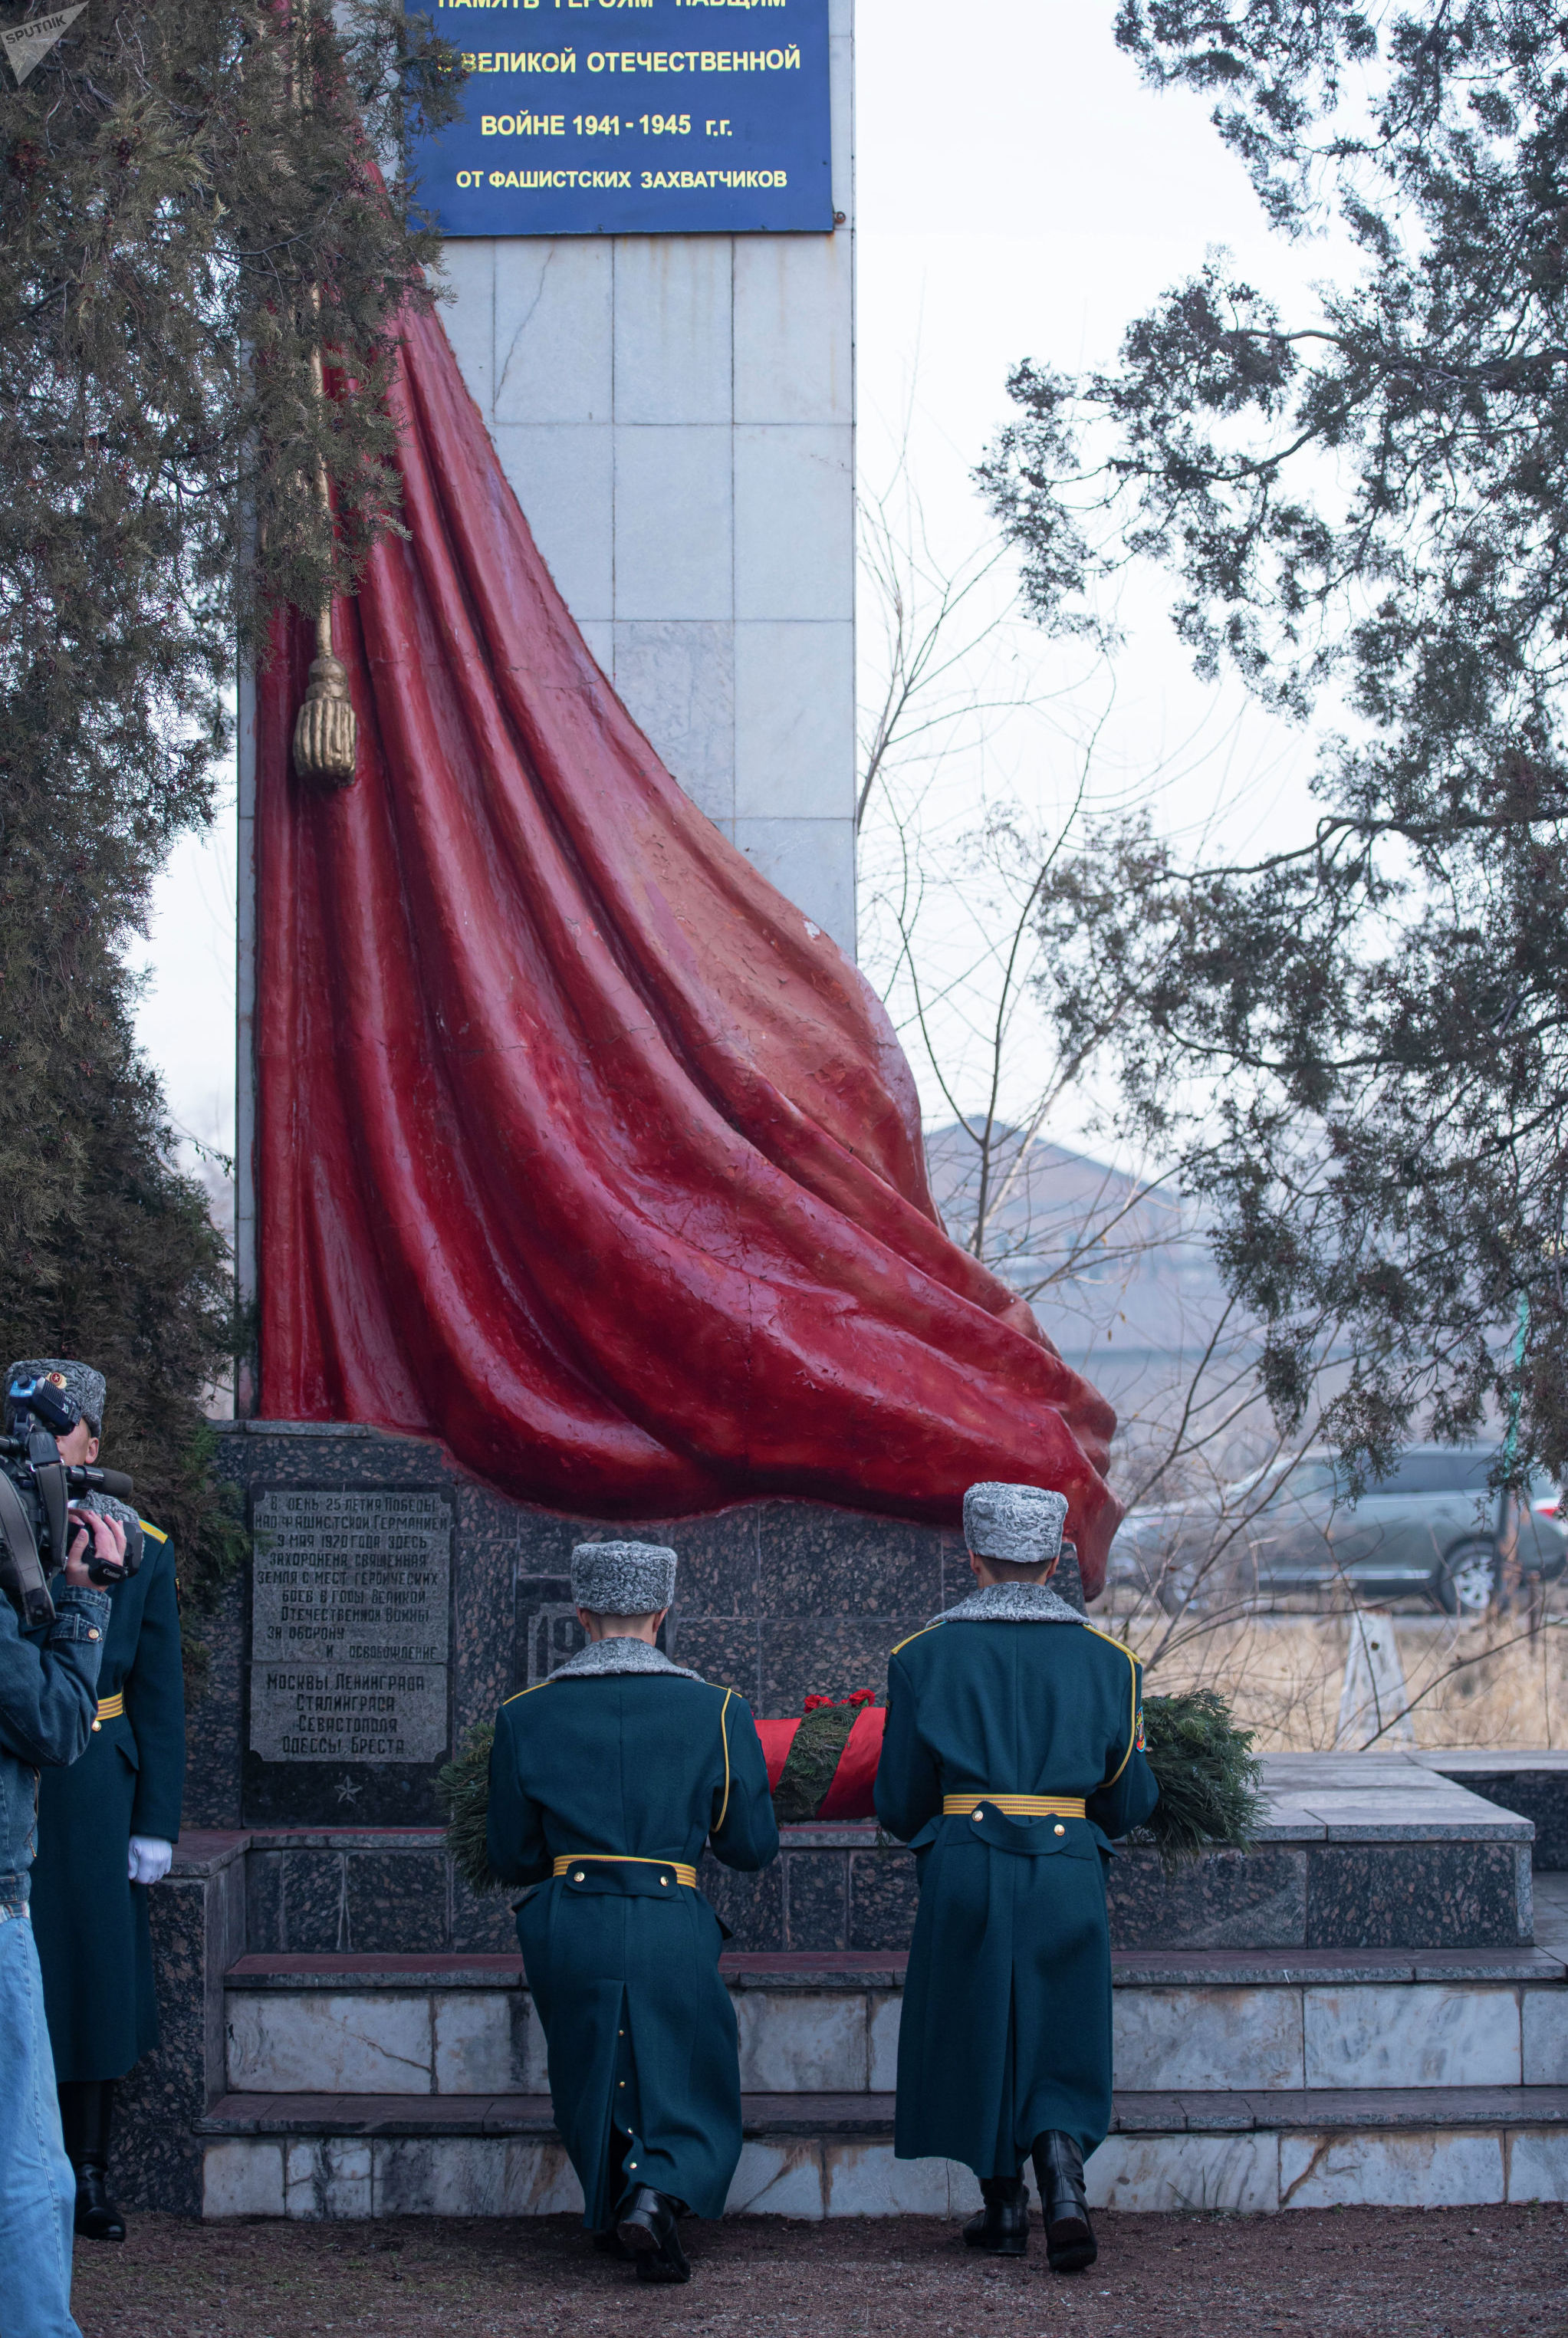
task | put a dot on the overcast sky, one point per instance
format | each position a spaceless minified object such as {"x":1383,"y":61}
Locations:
{"x":1019,"y":194}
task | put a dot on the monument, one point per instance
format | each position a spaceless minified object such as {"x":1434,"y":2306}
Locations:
{"x":581,"y":1181}
{"x":590,"y":1188}
{"x":582,"y":1173}
{"x":582,"y":1188}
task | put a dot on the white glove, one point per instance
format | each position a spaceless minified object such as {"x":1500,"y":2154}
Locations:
{"x":150,"y":1858}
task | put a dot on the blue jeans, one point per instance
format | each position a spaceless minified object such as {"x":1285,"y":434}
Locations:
{"x":37,"y":2188}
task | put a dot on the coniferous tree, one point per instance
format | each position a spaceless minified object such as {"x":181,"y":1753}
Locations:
{"x":190,"y":208}
{"x":1357,"y":1045}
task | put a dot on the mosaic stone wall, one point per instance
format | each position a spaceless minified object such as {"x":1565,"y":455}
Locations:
{"x":778,"y":1599}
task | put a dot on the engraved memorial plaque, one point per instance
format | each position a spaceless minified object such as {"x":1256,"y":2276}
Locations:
{"x":350,"y":1627}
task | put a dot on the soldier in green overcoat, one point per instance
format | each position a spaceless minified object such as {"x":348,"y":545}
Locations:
{"x":1012,"y":1755}
{"x":606,"y":1780}
{"x":106,"y":1830}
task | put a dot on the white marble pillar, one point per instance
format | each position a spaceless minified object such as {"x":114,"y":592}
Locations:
{"x":677,"y":416}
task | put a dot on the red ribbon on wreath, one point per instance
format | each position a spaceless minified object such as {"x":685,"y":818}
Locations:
{"x":849,"y":1793}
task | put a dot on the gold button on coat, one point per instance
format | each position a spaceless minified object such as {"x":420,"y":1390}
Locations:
{"x":1061,"y":1830}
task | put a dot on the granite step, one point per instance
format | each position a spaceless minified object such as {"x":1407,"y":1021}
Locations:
{"x":1354,"y":1849}
{"x":1532,"y":1782}
{"x":813,"y":2024}
{"x":830,"y":2155}
{"x":798,"y":1969}
{"x":1381,"y":1934}
{"x":852,"y":2115}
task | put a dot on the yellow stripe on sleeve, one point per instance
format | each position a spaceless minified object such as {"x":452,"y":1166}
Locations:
{"x":724,"y":1735}
{"x":1132,"y":1721}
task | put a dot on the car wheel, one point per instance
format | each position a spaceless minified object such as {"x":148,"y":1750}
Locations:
{"x":1469,"y":1583}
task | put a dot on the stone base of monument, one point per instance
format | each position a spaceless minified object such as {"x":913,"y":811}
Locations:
{"x":393,"y":1601}
{"x":1365,"y":2008}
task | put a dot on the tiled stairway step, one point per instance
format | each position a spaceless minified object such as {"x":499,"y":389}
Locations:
{"x":514,"y":2115}
{"x":766,"y":2117}
{"x":816,"y":2155}
{"x":883,"y":1968}
{"x":1212,"y":2021}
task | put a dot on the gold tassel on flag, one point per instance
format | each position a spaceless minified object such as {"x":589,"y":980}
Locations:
{"x":326,"y":733}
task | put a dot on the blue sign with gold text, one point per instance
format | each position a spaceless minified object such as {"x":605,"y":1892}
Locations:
{"x":633,"y":117}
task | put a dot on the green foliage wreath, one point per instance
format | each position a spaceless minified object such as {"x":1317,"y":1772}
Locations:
{"x":462,"y":1791}
{"x":1211,"y":1781}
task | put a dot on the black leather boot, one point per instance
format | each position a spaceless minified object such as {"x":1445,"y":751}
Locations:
{"x":646,"y":2226}
{"x":607,"y":2240}
{"x":1070,"y":2244}
{"x":1001,"y":2227}
{"x":86,"y":2119}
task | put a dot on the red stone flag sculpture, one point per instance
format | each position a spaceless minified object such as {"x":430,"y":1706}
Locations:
{"x":579,"y":1147}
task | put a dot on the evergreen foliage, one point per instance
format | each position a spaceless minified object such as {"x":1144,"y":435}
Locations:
{"x":110,"y":1254}
{"x":1211,"y":1781}
{"x":188,"y":203}
{"x":1355,"y":1044}
{"x":813,"y":1757}
{"x":462,"y":1791}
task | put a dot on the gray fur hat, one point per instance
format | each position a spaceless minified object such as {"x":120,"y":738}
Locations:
{"x":1020,"y":1524}
{"x":86,"y":1389}
{"x":622,"y":1578}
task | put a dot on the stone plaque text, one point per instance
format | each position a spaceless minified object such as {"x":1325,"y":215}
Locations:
{"x":350,"y":1626}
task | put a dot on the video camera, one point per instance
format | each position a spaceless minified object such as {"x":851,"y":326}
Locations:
{"x":37,"y":1487}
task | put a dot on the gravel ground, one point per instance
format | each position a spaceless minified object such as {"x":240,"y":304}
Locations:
{"x":1357,"y":2273}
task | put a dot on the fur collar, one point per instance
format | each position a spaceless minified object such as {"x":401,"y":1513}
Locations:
{"x":1011,"y":1603}
{"x":620,"y":1653}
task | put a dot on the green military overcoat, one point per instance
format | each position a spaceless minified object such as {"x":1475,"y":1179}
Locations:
{"x":1006,"y":2023}
{"x":621,"y":1752}
{"x":90,"y":1920}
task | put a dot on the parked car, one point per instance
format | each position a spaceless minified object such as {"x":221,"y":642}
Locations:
{"x":1431,"y":1526}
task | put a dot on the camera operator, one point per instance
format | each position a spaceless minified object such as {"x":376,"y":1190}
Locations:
{"x":106,"y":1830}
{"x":48,"y":1695}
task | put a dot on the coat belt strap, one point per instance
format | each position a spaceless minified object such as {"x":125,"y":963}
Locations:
{"x":111,"y":1708}
{"x":578,"y":1858}
{"x":1016,"y":1807}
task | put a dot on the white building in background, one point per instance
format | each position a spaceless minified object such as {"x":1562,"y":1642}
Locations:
{"x":677,"y":417}
{"x":1120,"y":1275}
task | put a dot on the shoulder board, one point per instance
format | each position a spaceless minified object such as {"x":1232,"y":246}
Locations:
{"x":148,"y":1528}
{"x":522,"y":1693}
{"x":915,"y":1636}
